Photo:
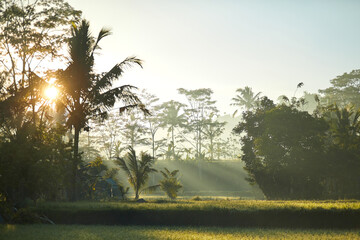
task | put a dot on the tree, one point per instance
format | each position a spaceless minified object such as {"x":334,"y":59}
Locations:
{"x":153,"y":121}
{"x":133,"y":131}
{"x":345,"y":125}
{"x":172,"y":118}
{"x":245,"y":99}
{"x":85,"y":94}
{"x":212,"y":130}
{"x":343,"y":161}
{"x":345,"y":90}
{"x":31,"y":33}
{"x":199,"y":110}
{"x":284,"y":150}
{"x":137,"y":171}
{"x":34,"y":158}
{"x":107,"y":135}
{"x":170,"y":184}
{"x":33,"y":164}
{"x":92,"y":175}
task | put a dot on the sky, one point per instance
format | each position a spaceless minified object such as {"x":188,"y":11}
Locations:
{"x":269,"y":45}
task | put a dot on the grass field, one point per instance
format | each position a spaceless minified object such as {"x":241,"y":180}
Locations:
{"x":206,"y":205}
{"x":80,"y":232}
{"x":222,"y":213}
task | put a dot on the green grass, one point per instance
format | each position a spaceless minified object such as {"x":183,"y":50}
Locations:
{"x":206,"y":205}
{"x":80,"y":232}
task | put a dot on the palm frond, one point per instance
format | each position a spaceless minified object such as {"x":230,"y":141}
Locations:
{"x":134,"y":106}
{"x":300,"y":85}
{"x":174,"y":173}
{"x":103,"y":33}
{"x":121,"y":162}
{"x":132,"y":161}
{"x":233,"y":115}
{"x":284,"y":98}
{"x":165,"y":175}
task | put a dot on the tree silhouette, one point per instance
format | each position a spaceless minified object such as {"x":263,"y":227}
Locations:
{"x":137,"y":170}
{"x":344,"y":90}
{"x":172,"y":118}
{"x":345,"y":125}
{"x":212,"y":130}
{"x":31,"y":34}
{"x":133,"y":131}
{"x":85,"y":94}
{"x":245,"y":99}
{"x":200,"y":108}
{"x":153,"y":121}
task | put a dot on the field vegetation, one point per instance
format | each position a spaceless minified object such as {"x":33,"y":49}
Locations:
{"x":60,"y":232}
{"x":205,"y":205}
{"x":225,"y":213}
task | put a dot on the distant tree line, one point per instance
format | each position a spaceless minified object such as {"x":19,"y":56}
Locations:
{"x":173,"y":131}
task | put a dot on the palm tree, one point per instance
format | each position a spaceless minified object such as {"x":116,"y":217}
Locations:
{"x":171,"y":118}
{"x":86,"y":94}
{"x":246,"y":98}
{"x":137,"y":171}
{"x":344,"y":125}
{"x":170,"y":184}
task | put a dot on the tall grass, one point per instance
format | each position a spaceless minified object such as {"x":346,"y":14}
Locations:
{"x":80,"y":232}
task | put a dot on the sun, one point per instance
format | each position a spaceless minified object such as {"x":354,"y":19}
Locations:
{"x":51,"y":92}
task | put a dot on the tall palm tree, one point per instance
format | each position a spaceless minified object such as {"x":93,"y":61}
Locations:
{"x":171,"y":117}
{"x":245,"y":99}
{"x":137,"y":171}
{"x":86,"y":94}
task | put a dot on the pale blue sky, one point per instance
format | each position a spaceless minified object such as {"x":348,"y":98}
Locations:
{"x":268,"y":45}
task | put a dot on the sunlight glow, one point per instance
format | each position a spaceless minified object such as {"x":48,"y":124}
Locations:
{"x":52,"y":80}
{"x":51,"y":92}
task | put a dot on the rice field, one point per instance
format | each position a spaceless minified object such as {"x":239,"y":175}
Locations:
{"x":81,"y":232}
{"x":221,"y":213}
{"x":204,"y":205}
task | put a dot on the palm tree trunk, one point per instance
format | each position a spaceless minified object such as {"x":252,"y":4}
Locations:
{"x":211,"y":149}
{"x":74,"y":195}
{"x":173,"y":140}
{"x":136,"y":194}
{"x":153,"y":145}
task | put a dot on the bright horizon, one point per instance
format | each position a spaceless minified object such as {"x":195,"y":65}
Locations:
{"x":270,"y":46}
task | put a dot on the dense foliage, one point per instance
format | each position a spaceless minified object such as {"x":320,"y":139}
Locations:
{"x":291,"y":154}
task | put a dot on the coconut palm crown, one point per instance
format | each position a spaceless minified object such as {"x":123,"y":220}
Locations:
{"x":85,"y":94}
{"x":245,"y":99}
{"x":138,"y":171}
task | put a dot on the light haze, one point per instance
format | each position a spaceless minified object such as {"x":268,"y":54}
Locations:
{"x":270,"y":46}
